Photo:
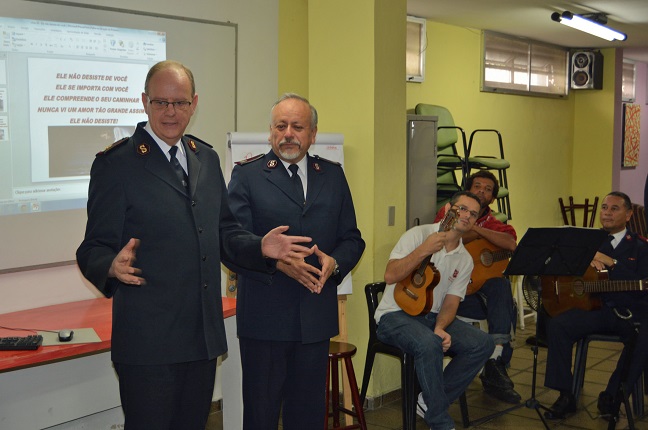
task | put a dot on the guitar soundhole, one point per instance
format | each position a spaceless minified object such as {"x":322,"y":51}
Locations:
{"x":486,"y":258}
{"x":418,"y":280}
{"x":579,"y":288}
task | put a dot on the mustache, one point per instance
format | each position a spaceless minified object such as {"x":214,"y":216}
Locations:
{"x":291,"y":142}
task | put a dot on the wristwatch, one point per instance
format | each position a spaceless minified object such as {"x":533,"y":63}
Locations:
{"x":336,"y":269}
{"x":614,"y":263}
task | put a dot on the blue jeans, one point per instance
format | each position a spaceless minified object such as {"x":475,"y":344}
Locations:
{"x":494,"y":303}
{"x":470,"y":348}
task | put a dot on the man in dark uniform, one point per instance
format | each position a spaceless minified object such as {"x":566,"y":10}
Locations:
{"x":153,"y":242}
{"x":285,"y":321}
{"x":625,"y":256}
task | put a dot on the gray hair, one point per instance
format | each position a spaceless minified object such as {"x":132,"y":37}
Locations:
{"x":286,"y":96}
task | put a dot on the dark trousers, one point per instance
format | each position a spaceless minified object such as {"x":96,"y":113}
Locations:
{"x":288,"y":373}
{"x":494,"y":303}
{"x":166,"y":397}
{"x":564,"y":330}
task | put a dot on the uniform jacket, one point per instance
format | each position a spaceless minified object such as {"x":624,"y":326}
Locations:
{"x":276,"y":307}
{"x":632,"y":264}
{"x":177,"y":316}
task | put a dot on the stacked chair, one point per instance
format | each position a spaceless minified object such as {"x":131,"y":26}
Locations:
{"x":453,"y":169}
{"x":449,"y":163}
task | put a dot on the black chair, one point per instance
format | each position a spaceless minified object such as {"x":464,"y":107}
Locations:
{"x":580,"y":360}
{"x":409,"y":381}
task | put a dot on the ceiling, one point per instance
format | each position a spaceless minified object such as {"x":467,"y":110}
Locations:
{"x":532,"y":19}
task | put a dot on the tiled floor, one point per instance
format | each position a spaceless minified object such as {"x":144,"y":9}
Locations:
{"x":601,"y":360}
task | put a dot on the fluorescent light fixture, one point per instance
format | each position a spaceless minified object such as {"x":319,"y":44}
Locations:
{"x":590,"y":23}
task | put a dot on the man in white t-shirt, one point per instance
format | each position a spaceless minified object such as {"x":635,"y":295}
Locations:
{"x":432,"y":334}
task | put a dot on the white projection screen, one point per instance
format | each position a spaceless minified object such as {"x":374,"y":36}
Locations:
{"x":71,"y":78}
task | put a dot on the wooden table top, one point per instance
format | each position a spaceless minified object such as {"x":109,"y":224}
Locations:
{"x":95,"y":313}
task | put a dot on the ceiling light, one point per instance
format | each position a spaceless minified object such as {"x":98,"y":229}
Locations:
{"x":590,"y":23}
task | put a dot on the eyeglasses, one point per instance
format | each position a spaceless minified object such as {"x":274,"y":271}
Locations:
{"x":163,"y":104}
{"x":463,"y":210}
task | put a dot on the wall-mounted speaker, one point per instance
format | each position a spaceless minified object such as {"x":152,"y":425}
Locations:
{"x":587,"y":70}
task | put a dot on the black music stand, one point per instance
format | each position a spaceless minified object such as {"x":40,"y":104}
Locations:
{"x":554,"y":251}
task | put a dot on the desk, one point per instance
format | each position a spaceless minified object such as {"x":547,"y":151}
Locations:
{"x":58,"y":384}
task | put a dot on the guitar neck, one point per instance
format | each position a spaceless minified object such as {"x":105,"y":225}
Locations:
{"x":613,"y":286}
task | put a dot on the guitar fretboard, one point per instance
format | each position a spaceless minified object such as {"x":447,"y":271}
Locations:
{"x":605,"y":286}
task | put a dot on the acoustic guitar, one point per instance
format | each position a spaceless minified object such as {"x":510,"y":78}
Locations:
{"x":414,"y":294}
{"x":489,"y":260}
{"x":561,"y":293}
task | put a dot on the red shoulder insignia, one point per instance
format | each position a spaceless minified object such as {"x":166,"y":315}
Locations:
{"x":113,"y":146}
{"x":328,"y":161}
{"x":249,"y":160}
{"x":193,"y":146}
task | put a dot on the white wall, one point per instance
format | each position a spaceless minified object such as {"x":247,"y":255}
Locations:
{"x":257,"y":22}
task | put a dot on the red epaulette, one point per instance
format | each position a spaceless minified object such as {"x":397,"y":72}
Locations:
{"x":193,"y":147}
{"x":113,"y":146}
{"x":328,"y":161}
{"x":249,"y":160}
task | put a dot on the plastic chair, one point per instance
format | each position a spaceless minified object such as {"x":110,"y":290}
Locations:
{"x":409,"y":381}
{"x":449,"y":163}
{"x":569,"y":211}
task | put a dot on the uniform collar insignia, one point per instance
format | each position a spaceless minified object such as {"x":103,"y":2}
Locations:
{"x":143,"y":148}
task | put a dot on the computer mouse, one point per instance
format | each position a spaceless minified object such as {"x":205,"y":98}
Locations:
{"x":65,"y":335}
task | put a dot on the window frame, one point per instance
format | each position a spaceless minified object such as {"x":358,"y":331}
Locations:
{"x":629,"y":65}
{"x":525,"y":47}
{"x":416,"y":60}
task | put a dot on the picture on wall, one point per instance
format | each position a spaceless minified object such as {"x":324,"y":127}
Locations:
{"x":631,"y":134}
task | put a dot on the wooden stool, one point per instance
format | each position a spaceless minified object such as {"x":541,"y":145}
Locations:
{"x":344,"y":351}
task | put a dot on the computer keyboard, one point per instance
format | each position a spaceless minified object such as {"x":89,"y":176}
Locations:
{"x":18,"y":343}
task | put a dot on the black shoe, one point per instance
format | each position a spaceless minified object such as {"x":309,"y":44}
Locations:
{"x":605,"y":403}
{"x":508,"y":395}
{"x":566,"y":404}
{"x":531,"y":340}
{"x":495,"y":376}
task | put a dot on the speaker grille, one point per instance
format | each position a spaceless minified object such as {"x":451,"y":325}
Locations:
{"x":587,"y":70}
{"x":581,"y":60}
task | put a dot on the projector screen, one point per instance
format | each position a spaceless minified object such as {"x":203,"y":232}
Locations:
{"x":66,"y":91}
{"x":70,"y":89}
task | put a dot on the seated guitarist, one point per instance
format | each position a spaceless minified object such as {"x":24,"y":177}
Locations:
{"x":625,"y":256}
{"x":494,"y":300}
{"x":429,"y":335}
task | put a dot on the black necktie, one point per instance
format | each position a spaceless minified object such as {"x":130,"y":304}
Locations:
{"x":607,"y":247}
{"x":297,"y":183}
{"x":179,"y":171}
